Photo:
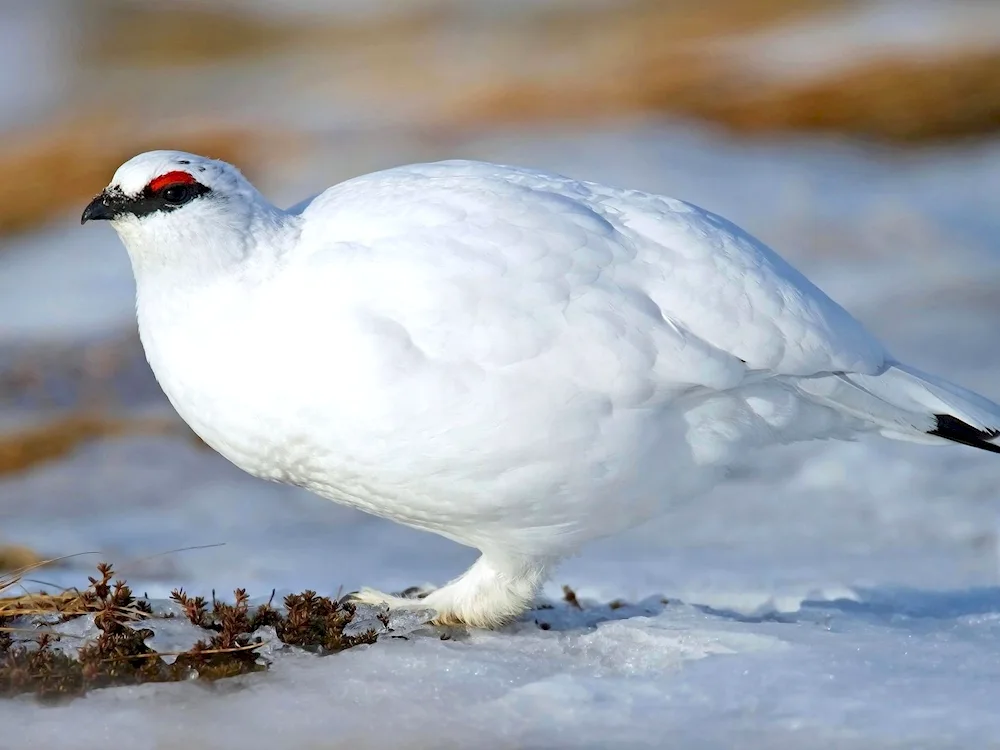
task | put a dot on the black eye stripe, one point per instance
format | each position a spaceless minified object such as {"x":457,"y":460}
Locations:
{"x":150,"y":202}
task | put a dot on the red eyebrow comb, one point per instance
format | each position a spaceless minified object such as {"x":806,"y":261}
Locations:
{"x":170,"y":178}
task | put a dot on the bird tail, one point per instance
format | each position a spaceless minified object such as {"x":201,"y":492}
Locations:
{"x":907,"y":404}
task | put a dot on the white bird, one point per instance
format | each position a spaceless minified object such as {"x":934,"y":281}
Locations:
{"x":518,"y":361}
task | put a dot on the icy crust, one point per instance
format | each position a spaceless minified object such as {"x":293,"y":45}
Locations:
{"x":890,"y":669}
{"x":171,"y":632}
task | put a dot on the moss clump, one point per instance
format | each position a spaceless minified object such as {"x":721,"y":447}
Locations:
{"x":30,"y":662}
{"x":48,"y":674}
{"x":118,"y":656}
{"x":230,"y":650}
{"x":317,"y":623}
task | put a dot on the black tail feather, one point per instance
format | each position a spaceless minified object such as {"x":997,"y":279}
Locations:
{"x":950,"y":428}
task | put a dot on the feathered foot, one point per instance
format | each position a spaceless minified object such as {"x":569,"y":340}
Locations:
{"x":494,"y":591}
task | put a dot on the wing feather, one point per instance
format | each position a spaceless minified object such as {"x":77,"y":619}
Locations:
{"x":495,"y":266}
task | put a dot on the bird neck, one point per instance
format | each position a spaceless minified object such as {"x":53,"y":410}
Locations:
{"x":187,"y":270}
{"x":217,"y":241}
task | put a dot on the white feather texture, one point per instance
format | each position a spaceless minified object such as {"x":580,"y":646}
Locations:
{"x":518,"y":361}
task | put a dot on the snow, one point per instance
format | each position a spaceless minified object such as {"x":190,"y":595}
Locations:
{"x":32,"y":53}
{"x":87,"y":275}
{"x":828,"y":596}
{"x":838,"y":595}
{"x":887,"y":672}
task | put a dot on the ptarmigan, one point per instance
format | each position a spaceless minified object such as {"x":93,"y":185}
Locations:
{"x":515,"y":360}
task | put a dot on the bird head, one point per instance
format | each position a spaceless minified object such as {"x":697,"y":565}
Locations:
{"x":164,"y":203}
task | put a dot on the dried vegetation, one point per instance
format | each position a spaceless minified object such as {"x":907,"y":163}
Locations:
{"x":673,"y":58}
{"x":24,"y":449}
{"x":16,"y":556}
{"x":594,"y":60}
{"x":32,"y":661}
{"x":892,"y":100}
{"x":449,"y":69}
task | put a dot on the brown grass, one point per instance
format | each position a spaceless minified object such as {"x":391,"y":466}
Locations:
{"x":15,"y":605}
{"x":634,"y":56}
{"x":898,"y":100}
{"x":181,"y":35}
{"x":425,"y":51}
{"x":637,"y":56}
{"x":24,"y":449}
{"x":57,"y":170}
{"x":893,"y":100}
{"x":16,"y":556}
{"x":650,"y":61}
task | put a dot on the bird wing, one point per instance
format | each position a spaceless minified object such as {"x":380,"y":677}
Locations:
{"x":725,"y":286}
{"x":495,"y":266}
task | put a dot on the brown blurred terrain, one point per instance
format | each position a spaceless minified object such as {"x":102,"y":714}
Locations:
{"x":437,"y":68}
{"x":215,"y":79}
{"x":677,"y":57}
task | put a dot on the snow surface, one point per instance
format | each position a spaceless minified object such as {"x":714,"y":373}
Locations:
{"x":32,"y":55}
{"x":828,"y":596}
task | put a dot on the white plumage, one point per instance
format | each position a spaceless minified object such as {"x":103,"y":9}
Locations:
{"x":518,"y":361}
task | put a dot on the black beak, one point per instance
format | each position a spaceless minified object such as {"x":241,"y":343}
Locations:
{"x":103,"y":207}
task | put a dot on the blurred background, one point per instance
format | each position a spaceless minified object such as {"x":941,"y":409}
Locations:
{"x":857,"y":137}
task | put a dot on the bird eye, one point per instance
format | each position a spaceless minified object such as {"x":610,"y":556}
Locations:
{"x":177,"y":194}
